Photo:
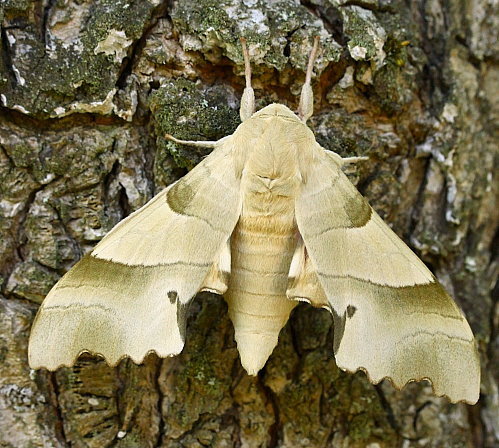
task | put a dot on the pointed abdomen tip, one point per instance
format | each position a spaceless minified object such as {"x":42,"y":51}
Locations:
{"x":254,"y":350}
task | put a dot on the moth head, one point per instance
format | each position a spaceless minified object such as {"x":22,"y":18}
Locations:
{"x":273,"y":126}
{"x":277,"y":110}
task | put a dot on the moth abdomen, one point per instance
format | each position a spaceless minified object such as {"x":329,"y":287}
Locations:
{"x":262,"y":246}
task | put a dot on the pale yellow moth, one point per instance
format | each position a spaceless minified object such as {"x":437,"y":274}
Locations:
{"x":267,"y":219}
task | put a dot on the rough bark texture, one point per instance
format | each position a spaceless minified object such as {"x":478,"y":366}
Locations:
{"x":88,"y":88}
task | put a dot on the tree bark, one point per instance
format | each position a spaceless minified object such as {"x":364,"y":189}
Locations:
{"x":88,"y":89}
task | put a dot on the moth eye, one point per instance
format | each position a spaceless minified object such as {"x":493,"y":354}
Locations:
{"x":172,"y":295}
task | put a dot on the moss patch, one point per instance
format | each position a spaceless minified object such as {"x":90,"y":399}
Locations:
{"x":53,"y":76}
{"x":184,"y":110}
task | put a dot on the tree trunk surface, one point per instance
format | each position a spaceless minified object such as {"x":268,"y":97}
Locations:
{"x":88,"y":90}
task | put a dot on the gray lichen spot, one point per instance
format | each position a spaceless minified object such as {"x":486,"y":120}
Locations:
{"x":367,"y":36}
{"x":116,"y":44}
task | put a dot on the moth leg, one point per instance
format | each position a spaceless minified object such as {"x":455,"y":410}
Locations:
{"x":247,"y":108}
{"x":303,"y":283}
{"x":198,"y":143}
{"x":345,"y":160}
{"x":354,"y":159}
{"x":306,"y":108}
{"x":217,"y":280}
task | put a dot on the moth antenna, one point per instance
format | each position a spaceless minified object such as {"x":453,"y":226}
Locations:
{"x":248,"y":99}
{"x":306,"y":108}
{"x":198,"y":143}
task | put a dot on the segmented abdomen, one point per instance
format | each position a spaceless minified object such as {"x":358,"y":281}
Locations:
{"x":262,"y":246}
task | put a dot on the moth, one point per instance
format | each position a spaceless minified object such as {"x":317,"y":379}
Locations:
{"x":268,"y":219}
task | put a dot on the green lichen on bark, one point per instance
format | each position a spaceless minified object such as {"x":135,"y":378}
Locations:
{"x":55,"y":184}
{"x":68,"y":69}
{"x":184,"y":110}
{"x":317,"y":402}
{"x":274,"y":31}
{"x":203,"y":373}
{"x":366,"y":36}
{"x":419,"y":102}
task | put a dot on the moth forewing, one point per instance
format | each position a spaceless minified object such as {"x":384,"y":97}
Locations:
{"x":129,"y":296}
{"x":392,"y":318}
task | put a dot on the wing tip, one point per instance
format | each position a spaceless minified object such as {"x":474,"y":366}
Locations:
{"x":401,"y":385}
